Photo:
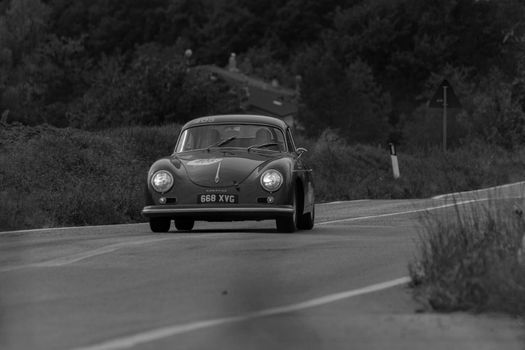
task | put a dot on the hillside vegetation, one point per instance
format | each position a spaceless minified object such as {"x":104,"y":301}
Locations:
{"x":367,"y":67}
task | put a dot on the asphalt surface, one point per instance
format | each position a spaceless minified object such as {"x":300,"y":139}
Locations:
{"x":234,"y":286}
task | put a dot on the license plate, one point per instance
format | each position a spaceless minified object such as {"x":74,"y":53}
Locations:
{"x":217,"y":198}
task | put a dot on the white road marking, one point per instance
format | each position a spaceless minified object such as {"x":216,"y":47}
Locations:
{"x":400,"y":212}
{"x":414,"y":210}
{"x":65,"y":228}
{"x":165,"y":332}
{"x":70,"y":259}
{"x":495,"y":188}
{"x":342,"y":202}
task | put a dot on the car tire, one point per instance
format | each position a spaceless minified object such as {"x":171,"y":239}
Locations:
{"x":159,"y":224}
{"x":288,"y":224}
{"x":306,"y":221}
{"x":184,"y":224}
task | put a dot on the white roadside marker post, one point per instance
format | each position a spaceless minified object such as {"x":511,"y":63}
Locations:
{"x":395,"y":164}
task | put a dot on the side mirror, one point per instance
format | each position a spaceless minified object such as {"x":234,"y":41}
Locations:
{"x":300,"y":151}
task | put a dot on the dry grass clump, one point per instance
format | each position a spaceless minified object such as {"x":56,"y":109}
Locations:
{"x":471,"y":258}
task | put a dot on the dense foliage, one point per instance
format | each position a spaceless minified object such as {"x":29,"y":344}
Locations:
{"x":367,"y":66}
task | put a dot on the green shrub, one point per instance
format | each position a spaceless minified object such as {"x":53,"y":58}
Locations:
{"x":343,"y":172}
{"x":472,"y":259}
{"x":72,"y":177}
{"x":146,"y":143}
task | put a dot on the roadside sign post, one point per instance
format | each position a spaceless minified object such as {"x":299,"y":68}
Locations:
{"x":393,"y":157}
{"x":444,"y":98}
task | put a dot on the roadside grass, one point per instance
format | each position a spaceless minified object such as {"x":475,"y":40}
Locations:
{"x":146,"y":144}
{"x":471,"y":258}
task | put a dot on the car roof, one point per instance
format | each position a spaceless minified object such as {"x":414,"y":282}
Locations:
{"x":238,"y":119}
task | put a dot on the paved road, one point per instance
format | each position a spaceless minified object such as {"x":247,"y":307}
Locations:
{"x":227,"y":286}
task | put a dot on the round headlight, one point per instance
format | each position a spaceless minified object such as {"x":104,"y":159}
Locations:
{"x":271,"y":180}
{"x":162,"y":181}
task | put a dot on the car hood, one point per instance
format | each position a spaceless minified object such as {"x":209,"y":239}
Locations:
{"x":224,"y":168}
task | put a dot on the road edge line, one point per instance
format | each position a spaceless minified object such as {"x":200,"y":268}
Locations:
{"x":488,"y":189}
{"x":400,"y":212}
{"x":165,"y":332}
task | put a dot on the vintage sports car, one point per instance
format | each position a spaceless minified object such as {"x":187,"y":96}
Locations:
{"x":231,"y":168}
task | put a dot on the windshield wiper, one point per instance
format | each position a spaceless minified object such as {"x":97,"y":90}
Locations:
{"x":222,"y":142}
{"x":263,"y":145}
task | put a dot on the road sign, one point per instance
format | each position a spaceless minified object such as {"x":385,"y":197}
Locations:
{"x":438,"y":100}
{"x":444,"y":98}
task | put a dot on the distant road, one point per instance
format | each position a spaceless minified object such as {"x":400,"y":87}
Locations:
{"x":229,"y":285}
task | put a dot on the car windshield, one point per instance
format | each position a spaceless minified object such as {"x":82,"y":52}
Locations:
{"x":250,"y":136}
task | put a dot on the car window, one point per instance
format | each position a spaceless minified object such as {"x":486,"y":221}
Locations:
{"x":289,"y":140}
{"x":231,"y":135}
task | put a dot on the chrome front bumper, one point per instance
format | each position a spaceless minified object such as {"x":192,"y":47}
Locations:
{"x":227,"y":213}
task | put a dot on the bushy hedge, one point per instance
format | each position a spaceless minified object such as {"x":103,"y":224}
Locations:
{"x":57,"y":177}
{"x":344,"y":172}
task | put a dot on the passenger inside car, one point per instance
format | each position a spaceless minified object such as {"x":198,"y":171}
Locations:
{"x":263,"y":136}
{"x":214,"y":137}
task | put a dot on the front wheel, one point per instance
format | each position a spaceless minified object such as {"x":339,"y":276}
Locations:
{"x":159,"y":224}
{"x":184,"y":224}
{"x":288,"y":224}
{"x":306,"y":221}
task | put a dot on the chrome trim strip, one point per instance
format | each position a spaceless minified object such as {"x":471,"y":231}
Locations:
{"x":243,"y":210}
{"x":217,"y":178}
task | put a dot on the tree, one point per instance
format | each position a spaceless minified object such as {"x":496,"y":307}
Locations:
{"x":405,"y":41}
{"x":109,"y":26}
{"x":496,"y":116}
{"x":23,"y":27}
{"x":343,"y":98}
{"x":155,"y":88}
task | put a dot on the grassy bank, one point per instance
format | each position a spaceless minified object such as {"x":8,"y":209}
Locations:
{"x":55,"y":177}
{"x":472,"y":259}
{"x":344,"y":172}
{"x":58,"y":177}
